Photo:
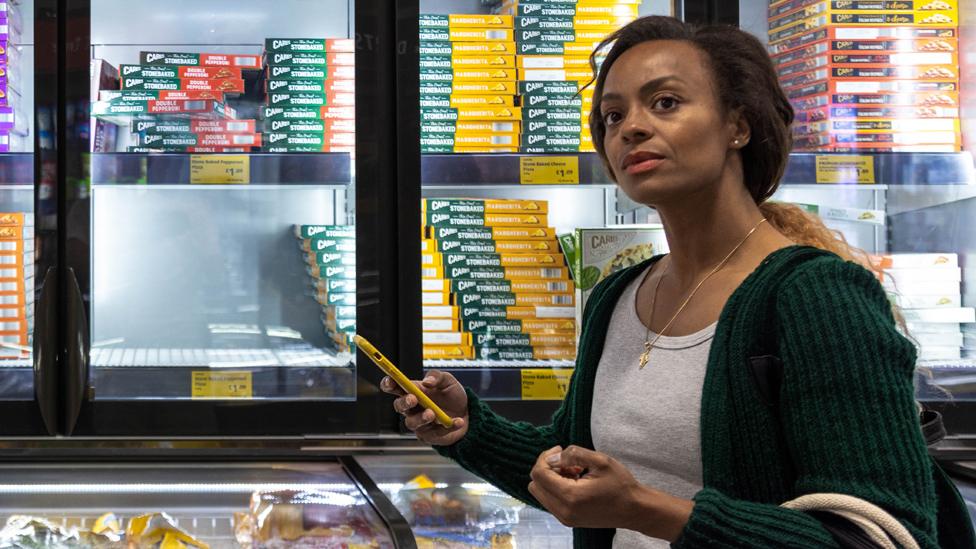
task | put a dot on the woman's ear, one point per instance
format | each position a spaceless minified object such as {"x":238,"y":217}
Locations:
{"x":740,"y":130}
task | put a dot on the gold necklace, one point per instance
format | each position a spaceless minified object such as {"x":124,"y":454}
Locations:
{"x":648,"y":344}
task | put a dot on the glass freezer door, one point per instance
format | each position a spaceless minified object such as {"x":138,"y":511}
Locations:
{"x":213,"y":229}
{"x":28,"y":223}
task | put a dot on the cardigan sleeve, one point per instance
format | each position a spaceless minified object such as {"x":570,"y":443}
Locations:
{"x":502,"y":451}
{"x":847,"y":411}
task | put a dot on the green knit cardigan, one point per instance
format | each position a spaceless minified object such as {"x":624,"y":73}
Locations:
{"x":846,"y":421}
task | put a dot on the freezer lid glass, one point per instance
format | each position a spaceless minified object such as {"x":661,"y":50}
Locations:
{"x":220,"y":505}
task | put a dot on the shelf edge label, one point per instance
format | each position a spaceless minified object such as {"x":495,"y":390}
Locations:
{"x":549,"y":170}
{"x":224,"y":169}
{"x":839,"y":169}
{"x":545,"y":384}
{"x":207,"y":384}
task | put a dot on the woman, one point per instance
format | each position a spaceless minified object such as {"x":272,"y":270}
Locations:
{"x":664,"y":435}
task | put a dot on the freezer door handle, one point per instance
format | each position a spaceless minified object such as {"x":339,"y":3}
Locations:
{"x":46,"y":351}
{"x":76,"y":382}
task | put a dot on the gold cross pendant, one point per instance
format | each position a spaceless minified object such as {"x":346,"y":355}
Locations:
{"x":644,"y":356}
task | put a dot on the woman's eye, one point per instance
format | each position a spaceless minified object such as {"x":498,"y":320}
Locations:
{"x":666,"y":103}
{"x":611,"y":118}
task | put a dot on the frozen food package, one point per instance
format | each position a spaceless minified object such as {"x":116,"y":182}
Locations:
{"x":320,"y":519}
{"x":27,"y":531}
{"x":458,"y":516}
{"x":159,"y":530}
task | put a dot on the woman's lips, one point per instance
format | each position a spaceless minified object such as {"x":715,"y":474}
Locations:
{"x":643,"y":166}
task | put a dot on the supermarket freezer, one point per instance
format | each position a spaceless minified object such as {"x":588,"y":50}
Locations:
{"x":325,"y":504}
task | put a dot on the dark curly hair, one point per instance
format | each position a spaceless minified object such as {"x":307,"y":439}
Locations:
{"x":744,"y":79}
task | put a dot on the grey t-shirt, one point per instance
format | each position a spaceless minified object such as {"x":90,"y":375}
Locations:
{"x":648,"y":419}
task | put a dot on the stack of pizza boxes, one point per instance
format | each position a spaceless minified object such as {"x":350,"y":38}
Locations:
{"x":310,"y":95}
{"x":869,"y":76}
{"x":467,"y":84}
{"x":495,"y":284}
{"x":554,"y":43}
{"x":927,"y":287}
{"x":16,"y":284}
{"x":330,"y":256}
{"x":177,"y":102}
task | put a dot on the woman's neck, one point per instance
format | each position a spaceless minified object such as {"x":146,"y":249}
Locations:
{"x":702,"y":230}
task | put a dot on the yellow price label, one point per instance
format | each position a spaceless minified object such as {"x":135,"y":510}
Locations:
{"x":545,"y":384}
{"x":207,"y":384}
{"x":845,"y":169}
{"x":232,"y":169}
{"x":549,"y":170}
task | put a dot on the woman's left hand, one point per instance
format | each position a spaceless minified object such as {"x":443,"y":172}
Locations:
{"x":587,"y":489}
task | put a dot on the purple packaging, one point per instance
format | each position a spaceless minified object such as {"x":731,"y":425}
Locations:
{"x":6,"y":119}
{"x":4,"y":142}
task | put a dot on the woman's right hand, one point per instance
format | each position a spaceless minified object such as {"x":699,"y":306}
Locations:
{"x":446,"y":392}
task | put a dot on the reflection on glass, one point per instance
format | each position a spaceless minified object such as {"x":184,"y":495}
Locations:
{"x":17,"y":247}
{"x":223,"y":261}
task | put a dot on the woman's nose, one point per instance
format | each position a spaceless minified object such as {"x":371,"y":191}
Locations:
{"x":636,"y":127}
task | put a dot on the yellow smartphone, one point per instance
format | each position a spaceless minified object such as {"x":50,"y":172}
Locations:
{"x":397,"y":376}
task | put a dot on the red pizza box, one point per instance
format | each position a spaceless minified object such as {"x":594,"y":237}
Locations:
{"x":930,"y":73}
{"x":870,"y":86}
{"x":210,"y":73}
{"x":174,"y":95}
{"x":224,"y":126}
{"x":885,"y":113}
{"x":940,"y":45}
{"x":864,"y":33}
{"x":936,"y":99}
{"x":199,"y":150}
{"x":858,"y":59}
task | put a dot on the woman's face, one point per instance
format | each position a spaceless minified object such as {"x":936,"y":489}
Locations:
{"x":666,"y":133}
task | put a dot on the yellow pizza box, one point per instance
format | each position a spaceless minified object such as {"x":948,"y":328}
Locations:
{"x":485,"y":74}
{"x":435,"y":298}
{"x":553,"y":61}
{"x":446,"y":338}
{"x":489,"y":113}
{"x":483,"y":61}
{"x":459,"y":101}
{"x":494,"y":150}
{"x":484,"y":87}
{"x":484,"y":205}
{"x":16,"y":219}
{"x":527,"y":246}
{"x":526,"y":286}
{"x":621,"y":9}
{"x":593,"y":34}
{"x":486,"y":127}
{"x":501,"y":273}
{"x":491,"y":233}
{"x":440,"y":325}
{"x":448,"y":352}
{"x":517,"y":312}
{"x":463,"y":49}
{"x":490,"y":140}
{"x":439,"y":311}
{"x":580,"y":47}
{"x":483,"y":21}
{"x":577,"y":75}
{"x":565,"y":299}
{"x":542,"y":325}
{"x":492,"y":259}
{"x":600,"y":21}
{"x":463,"y":34}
